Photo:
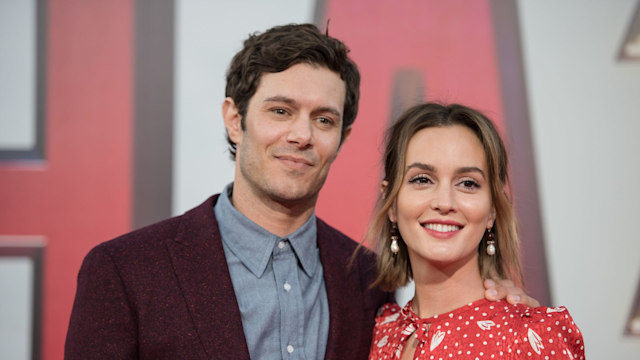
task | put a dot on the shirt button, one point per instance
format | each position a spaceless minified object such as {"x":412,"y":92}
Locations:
{"x":281,"y":244}
{"x":287,"y":287}
{"x":290,"y":349}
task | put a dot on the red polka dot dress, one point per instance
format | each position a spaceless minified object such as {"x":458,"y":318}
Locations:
{"x":480,"y":330}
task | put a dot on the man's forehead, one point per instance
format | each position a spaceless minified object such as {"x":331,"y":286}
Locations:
{"x":303,"y":85}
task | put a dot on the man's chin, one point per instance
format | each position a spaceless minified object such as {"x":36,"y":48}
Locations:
{"x":293,"y":197}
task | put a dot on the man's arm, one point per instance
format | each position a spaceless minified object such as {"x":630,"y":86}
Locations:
{"x":500,"y":289}
{"x":102,"y":324}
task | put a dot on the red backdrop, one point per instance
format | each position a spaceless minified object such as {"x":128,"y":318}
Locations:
{"x":451,"y":43}
{"x":81,"y":192}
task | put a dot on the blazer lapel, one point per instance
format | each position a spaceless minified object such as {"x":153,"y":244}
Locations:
{"x":201,"y":268}
{"x":344,"y":293}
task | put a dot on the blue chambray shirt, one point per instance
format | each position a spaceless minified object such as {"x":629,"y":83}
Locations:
{"x":279,"y":285}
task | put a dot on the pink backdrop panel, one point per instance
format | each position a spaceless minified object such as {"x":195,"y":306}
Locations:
{"x":450,"y":43}
{"x":80,"y":194}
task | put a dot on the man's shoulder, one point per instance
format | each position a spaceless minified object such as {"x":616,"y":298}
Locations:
{"x":150,"y":237}
{"x":338,"y":241}
{"x":339,"y":251}
{"x":329,"y":231}
{"x":338,"y":237}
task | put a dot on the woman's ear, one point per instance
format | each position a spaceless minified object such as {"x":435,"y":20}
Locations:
{"x":492,"y":218}
{"x":391,"y":213}
{"x":383,"y":188}
{"x":232,"y":120}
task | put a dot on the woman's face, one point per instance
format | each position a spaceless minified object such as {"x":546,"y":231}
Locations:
{"x":444,"y":204}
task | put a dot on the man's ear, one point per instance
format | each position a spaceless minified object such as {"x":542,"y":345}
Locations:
{"x":232,"y":120}
{"x":346,"y":135}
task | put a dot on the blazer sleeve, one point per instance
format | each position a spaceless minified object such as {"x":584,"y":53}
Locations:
{"x":103,"y":323}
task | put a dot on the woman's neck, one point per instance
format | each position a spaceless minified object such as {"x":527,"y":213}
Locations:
{"x":440,"y":290}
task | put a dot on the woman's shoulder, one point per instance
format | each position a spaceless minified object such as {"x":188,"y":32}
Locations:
{"x":387,"y":313}
{"x":546,"y":317}
{"x":541,"y":330}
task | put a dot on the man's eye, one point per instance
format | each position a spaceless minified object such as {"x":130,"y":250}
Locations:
{"x":325,"y":121}
{"x":280,"y":111}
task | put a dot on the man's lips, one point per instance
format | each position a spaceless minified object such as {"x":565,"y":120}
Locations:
{"x":295,"y":160}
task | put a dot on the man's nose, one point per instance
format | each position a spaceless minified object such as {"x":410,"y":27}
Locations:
{"x":301,"y":132}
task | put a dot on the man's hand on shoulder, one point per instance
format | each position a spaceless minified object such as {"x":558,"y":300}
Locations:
{"x":501,"y":289}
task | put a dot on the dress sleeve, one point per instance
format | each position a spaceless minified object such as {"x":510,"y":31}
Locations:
{"x":387,"y":313}
{"x":548,"y":332}
{"x":382,"y":345}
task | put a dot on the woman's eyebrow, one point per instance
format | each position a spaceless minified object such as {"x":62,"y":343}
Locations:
{"x":468,"y":169}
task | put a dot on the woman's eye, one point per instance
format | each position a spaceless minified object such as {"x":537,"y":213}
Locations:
{"x":420,"y":180}
{"x":470,"y":184}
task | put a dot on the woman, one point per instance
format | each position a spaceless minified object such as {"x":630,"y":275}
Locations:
{"x":445,"y":221}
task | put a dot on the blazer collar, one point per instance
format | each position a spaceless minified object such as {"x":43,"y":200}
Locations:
{"x":344,"y":292}
{"x":201,"y":268}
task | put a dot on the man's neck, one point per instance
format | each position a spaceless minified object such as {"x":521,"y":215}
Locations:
{"x":278,"y":217}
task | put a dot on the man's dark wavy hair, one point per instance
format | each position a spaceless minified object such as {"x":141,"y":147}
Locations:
{"x":281,"y":47}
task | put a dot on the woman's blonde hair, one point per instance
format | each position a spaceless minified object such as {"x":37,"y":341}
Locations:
{"x":394,"y":271}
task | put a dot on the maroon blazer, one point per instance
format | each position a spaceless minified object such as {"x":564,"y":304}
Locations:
{"x":164,"y":292}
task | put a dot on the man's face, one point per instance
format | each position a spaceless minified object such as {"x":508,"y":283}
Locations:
{"x":292,"y":134}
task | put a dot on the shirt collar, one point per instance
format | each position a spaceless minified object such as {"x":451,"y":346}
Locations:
{"x":253,"y":245}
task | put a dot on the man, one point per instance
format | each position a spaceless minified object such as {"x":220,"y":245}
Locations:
{"x":250,"y":273}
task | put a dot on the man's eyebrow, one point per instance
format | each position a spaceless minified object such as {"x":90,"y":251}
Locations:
{"x":329,"y":109}
{"x":290,"y":101}
{"x":280,"y":98}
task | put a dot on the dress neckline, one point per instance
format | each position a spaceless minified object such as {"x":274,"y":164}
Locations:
{"x":407,"y":311}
